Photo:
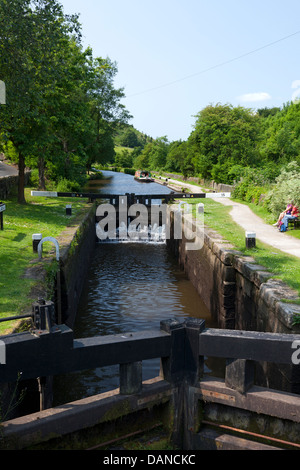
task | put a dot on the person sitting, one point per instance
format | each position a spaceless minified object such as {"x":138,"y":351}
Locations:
{"x":292,"y":216}
{"x":287,"y":211}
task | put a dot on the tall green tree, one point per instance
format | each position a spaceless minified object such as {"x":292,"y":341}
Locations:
{"x":174,"y":157}
{"x":281,"y":142}
{"x":129,"y":138}
{"x":31,"y":34}
{"x":15,"y":38}
{"x":107,"y":111}
{"x":62,"y":106}
{"x":224,"y":135}
{"x":154,"y":154}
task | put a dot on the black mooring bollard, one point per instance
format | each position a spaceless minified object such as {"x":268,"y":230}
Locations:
{"x":250,"y":239}
{"x":36,"y":238}
{"x":69,"y":209}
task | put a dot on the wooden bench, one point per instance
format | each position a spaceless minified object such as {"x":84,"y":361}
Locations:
{"x":294,"y":222}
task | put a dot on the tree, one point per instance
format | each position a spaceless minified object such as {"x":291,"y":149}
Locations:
{"x":281,"y":143}
{"x":158,"y":154}
{"x":123,"y":159}
{"x":266,"y":112}
{"x":107,"y":111}
{"x":224,"y":135}
{"x":62,"y":107}
{"x":15,"y":72}
{"x":142,"y":161}
{"x":154,"y":155}
{"x":176,"y":156}
{"x":129,"y":139}
{"x":31,"y":33}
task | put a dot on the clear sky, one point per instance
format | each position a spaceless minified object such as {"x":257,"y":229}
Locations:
{"x":175,"y":57}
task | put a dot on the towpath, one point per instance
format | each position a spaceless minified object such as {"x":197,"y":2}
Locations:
{"x":243,"y":216}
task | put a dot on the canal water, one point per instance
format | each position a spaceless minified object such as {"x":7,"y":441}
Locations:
{"x":130,"y":287}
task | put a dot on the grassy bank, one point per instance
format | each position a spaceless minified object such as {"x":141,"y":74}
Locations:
{"x":40,"y":215}
{"x":284,"y":267}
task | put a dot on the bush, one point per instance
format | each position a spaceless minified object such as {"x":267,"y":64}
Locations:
{"x":129,"y":171}
{"x":34,"y":178}
{"x":249,"y":192}
{"x":66,"y":186}
{"x":117,"y":169}
{"x":255,"y":184}
{"x":286,"y":189}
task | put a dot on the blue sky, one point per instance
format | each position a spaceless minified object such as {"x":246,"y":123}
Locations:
{"x":176,"y":57}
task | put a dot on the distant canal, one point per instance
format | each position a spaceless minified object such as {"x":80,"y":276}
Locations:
{"x":130,"y":287}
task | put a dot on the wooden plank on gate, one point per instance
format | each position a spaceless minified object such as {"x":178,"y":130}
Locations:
{"x":251,"y":345}
{"x":262,"y":400}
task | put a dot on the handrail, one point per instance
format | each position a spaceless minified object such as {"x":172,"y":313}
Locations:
{"x":250,"y":345}
{"x":185,"y":343}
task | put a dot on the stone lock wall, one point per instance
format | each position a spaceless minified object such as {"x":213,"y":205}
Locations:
{"x":77,"y":247}
{"x":240,"y":295}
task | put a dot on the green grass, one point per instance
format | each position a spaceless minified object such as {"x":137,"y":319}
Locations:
{"x":283,"y":266}
{"x":40,"y":215}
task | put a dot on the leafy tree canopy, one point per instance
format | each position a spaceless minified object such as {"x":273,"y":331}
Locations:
{"x":62,"y":108}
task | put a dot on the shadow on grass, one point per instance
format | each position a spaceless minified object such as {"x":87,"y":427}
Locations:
{"x":19,"y":237}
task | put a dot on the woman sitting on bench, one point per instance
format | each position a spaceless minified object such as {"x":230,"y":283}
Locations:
{"x":292,"y":216}
{"x":287,"y":211}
